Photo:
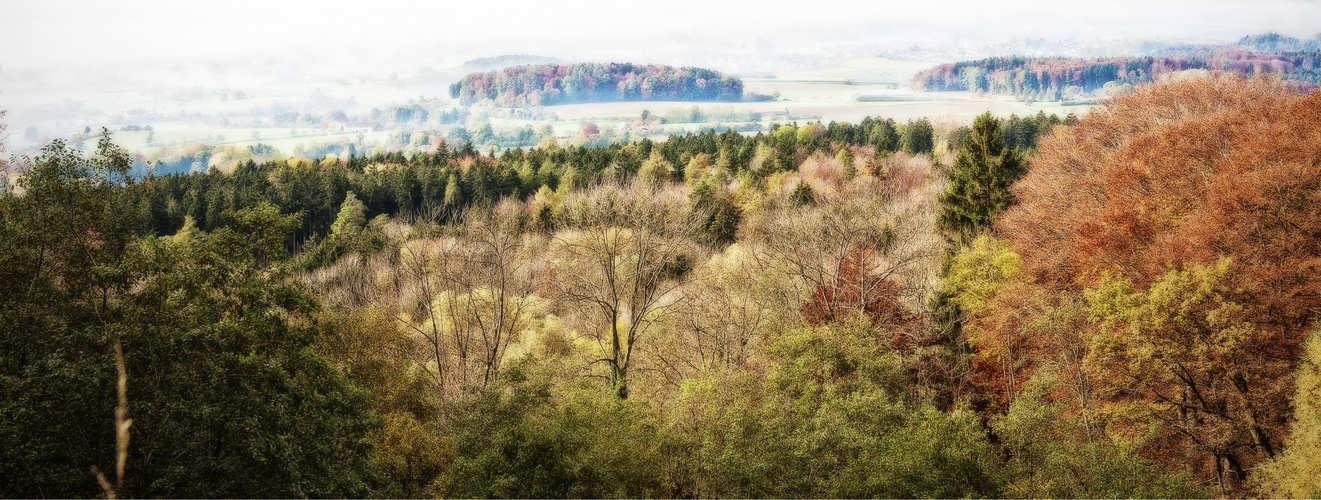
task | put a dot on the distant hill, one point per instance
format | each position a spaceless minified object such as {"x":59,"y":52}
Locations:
{"x":1275,"y":42}
{"x":547,"y":84}
{"x":505,"y":61}
{"x":1061,"y":78}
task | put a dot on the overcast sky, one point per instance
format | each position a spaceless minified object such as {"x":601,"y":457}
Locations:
{"x":68,"y":34}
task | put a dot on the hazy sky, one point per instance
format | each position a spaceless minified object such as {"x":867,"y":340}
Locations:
{"x":68,"y":34}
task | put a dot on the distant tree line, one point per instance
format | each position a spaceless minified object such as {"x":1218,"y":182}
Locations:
{"x":1062,"y":78}
{"x":449,"y":180}
{"x":547,"y":84}
{"x":1272,"y":42}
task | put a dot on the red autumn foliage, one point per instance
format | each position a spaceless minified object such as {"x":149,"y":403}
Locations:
{"x":857,"y":291}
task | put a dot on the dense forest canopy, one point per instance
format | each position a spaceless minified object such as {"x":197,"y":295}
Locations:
{"x":1061,"y":78}
{"x":1173,"y":239}
{"x":1121,"y":305}
{"x":548,"y":84}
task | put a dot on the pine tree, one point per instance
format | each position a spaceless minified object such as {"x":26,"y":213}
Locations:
{"x":918,"y":137}
{"x":845,"y":159}
{"x":351,"y":219}
{"x":802,"y":195}
{"x":453,"y":193}
{"x":979,"y":181}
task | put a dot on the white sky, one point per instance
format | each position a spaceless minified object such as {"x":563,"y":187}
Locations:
{"x":67,"y":34}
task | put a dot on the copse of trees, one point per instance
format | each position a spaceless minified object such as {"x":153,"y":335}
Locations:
{"x":450,"y":180}
{"x":1060,"y":78}
{"x":1272,"y":42}
{"x":1159,"y":267}
{"x":549,"y":84}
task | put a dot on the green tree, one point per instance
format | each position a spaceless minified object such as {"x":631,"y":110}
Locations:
{"x":918,"y":137}
{"x":845,"y":159}
{"x":802,"y":195}
{"x":62,"y":243}
{"x":1047,"y":457}
{"x":453,"y":193}
{"x":979,"y":181}
{"x":1188,"y":349}
{"x":829,"y":421}
{"x":885,"y":136}
{"x":656,"y":169}
{"x":722,"y":216}
{"x":226,"y":395}
{"x":521,"y":441}
{"x":351,"y":219}
{"x":237,"y":401}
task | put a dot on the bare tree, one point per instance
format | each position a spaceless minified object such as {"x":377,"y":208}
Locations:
{"x":727,"y":306}
{"x":490,"y":291}
{"x":622,"y":258}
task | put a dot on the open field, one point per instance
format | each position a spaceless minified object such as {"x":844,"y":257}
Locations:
{"x":831,"y":93}
{"x":237,"y":112}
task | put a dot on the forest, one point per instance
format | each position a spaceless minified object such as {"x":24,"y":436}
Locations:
{"x":1062,"y":78}
{"x":548,"y":84}
{"x":1122,"y":304}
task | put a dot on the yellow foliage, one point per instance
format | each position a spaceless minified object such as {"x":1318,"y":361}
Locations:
{"x":1296,"y":472}
{"x":980,"y":271}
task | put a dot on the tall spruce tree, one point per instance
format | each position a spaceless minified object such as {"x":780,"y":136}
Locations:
{"x":979,"y":181}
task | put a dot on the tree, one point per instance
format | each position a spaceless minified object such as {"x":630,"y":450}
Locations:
{"x":453,"y":193}
{"x":622,"y":252}
{"x":521,"y":441}
{"x":851,"y":255}
{"x":918,"y":137}
{"x":3,"y":149}
{"x":723,"y":216}
{"x":802,"y":195}
{"x":858,"y":293}
{"x":979,"y":182}
{"x":1047,"y":457}
{"x":824,"y":418}
{"x":1190,"y":345}
{"x":885,"y":136}
{"x":726,"y":311}
{"x":351,"y":219}
{"x":219,"y":378}
{"x":656,"y":169}
{"x":1293,"y":473}
{"x":845,"y":159}
{"x":215,"y":339}
{"x":487,"y":294}
{"x":63,"y":243}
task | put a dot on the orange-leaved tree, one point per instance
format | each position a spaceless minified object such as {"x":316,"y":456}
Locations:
{"x":1179,"y":198}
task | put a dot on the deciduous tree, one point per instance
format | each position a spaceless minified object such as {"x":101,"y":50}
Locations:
{"x":623,"y":252}
{"x":1195,"y":194}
